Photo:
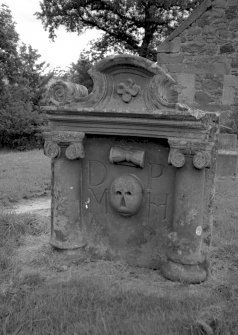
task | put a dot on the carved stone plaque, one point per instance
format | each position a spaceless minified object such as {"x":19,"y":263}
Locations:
{"x":126,"y":208}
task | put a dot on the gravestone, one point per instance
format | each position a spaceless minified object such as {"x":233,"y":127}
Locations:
{"x":132,"y":169}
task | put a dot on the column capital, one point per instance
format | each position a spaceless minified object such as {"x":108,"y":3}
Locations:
{"x":57,"y":139}
{"x":182,"y":147}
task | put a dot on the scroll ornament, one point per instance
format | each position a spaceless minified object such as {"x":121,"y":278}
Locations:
{"x":202,"y":159}
{"x":176,"y":158}
{"x":51,"y":149}
{"x":119,"y":155}
{"x":75,"y":150}
{"x":61,"y":92}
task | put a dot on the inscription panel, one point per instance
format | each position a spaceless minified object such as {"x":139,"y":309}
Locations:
{"x":127,"y":209}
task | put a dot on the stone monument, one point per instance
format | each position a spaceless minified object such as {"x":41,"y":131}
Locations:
{"x":132,"y":169}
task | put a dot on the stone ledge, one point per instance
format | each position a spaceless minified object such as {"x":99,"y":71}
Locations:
{"x":198,"y":68}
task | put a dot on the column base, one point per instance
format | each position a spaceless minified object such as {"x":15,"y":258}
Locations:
{"x":59,"y":241}
{"x":190,"y":274}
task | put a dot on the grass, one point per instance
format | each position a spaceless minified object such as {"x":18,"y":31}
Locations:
{"x":23,"y":175}
{"x":95,"y":297}
{"x":88,"y":307}
{"x":13,"y":228}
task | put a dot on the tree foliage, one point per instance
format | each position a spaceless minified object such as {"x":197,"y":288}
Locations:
{"x":78,"y":72}
{"x":8,"y":45}
{"x":21,"y":87}
{"x":134,"y":26}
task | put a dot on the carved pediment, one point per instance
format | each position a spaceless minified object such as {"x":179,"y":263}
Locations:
{"x":122,"y":83}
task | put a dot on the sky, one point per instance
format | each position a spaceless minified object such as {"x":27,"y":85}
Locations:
{"x":60,"y":53}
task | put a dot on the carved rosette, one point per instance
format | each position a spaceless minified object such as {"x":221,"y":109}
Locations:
{"x":72,"y":140}
{"x":128,"y":90}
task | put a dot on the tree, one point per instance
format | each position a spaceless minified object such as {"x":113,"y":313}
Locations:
{"x":78,"y":72}
{"x":133,"y":26}
{"x":21,"y":86}
{"x":9,"y":60}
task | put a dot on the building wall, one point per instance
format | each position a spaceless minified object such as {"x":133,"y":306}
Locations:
{"x":203,"y":59}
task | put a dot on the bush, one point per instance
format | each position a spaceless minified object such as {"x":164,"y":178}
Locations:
{"x":21,"y":121}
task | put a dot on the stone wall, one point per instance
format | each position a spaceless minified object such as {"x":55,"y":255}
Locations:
{"x":202,"y":55}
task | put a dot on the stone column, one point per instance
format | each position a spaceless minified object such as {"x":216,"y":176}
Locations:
{"x":186,"y":259}
{"x":66,"y":150}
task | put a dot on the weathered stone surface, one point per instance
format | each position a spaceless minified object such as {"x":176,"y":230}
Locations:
{"x":233,"y":26}
{"x":229,"y":89}
{"x":231,"y":12}
{"x":208,"y":33}
{"x":129,"y":153}
{"x":186,"y":82}
{"x":227,"y":141}
{"x":164,"y":58}
{"x":199,"y":68}
{"x":227,"y":48}
{"x":170,"y":46}
{"x":61,"y":92}
{"x":219,"y":4}
{"x":232,"y":3}
{"x":51,"y":149}
{"x":223,"y":34}
{"x":193,"y":48}
{"x":203,"y":98}
{"x":195,"y":274}
{"x":227,"y":161}
{"x":193,"y":32}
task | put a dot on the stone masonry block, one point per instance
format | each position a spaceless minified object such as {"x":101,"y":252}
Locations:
{"x":186,"y":81}
{"x":227,"y":163}
{"x":227,"y":141}
{"x":164,"y":58}
{"x":170,"y":46}
{"x":232,"y":3}
{"x":229,"y":88}
{"x":199,"y":68}
{"x":227,"y":48}
{"x":219,"y":4}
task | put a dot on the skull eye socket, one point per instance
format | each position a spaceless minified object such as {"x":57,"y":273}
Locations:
{"x":128,"y":193}
{"x":118,"y":192}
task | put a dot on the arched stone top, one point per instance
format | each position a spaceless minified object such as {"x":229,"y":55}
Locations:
{"x":125,"y":60}
{"x":132,"y":96}
{"x":122,"y":83}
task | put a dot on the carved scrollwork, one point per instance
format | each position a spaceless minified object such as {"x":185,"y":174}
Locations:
{"x":51,"y":149}
{"x":75,"y":150}
{"x":62,"y":92}
{"x":162,"y":92}
{"x":176,"y":158}
{"x":136,"y":157}
{"x":202,"y":159}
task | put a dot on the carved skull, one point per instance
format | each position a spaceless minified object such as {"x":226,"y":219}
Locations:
{"x":126,"y":195}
